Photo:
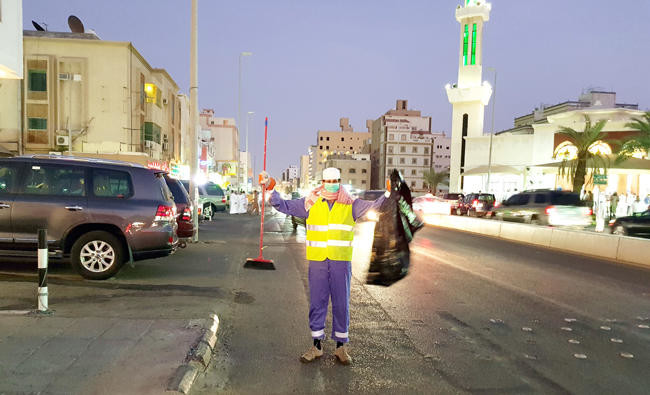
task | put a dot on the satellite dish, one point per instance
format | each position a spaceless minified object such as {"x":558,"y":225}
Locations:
{"x":75,"y":24}
{"x":38,"y":27}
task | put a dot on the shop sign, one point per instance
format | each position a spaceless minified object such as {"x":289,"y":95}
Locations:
{"x":158,"y":165}
{"x":600,"y":179}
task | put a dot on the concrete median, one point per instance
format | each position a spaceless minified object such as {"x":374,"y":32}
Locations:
{"x":619,"y":248}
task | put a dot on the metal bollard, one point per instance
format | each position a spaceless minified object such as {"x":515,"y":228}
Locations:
{"x":42,"y":270}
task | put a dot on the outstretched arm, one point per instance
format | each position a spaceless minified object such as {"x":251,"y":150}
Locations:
{"x":360,"y":206}
{"x":289,"y":207}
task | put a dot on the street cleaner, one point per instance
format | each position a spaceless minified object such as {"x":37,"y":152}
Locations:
{"x":331,"y":214}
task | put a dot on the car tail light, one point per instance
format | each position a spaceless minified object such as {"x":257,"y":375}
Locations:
{"x":187,"y":214}
{"x":199,"y":211}
{"x":497,"y":204}
{"x":475,"y":203}
{"x":550,"y":210}
{"x":223,"y":200}
{"x":164,"y":213}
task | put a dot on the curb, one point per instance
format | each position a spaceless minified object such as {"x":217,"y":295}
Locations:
{"x":197,"y":358}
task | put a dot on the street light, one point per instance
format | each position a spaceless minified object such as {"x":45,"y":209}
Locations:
{"x":241,"y":55}
{"x":494,"y":101}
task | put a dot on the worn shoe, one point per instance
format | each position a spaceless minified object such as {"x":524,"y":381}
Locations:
{"x":343,"y":356}
{"x":311,"y":354}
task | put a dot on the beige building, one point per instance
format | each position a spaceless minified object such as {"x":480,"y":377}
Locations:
{"x":355,"y":169}
{"x":224,"y":145}
{"x":94,"y":98}
{"x":304,"y":171}
{"x":401,"y":139}
{"x":346,"y":141}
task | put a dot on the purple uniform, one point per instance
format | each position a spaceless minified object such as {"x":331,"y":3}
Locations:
{"x":327,"y":278}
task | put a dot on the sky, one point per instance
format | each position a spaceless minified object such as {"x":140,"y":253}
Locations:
{"x":315,"y":61}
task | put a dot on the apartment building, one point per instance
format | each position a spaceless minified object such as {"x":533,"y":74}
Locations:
{"x":304,"y":171}
{"x":346,"y":141}
{"x":223,"y":145}
{"x":401,"y":139}
{"x":355,"y":169}
{"x":92,"y":97}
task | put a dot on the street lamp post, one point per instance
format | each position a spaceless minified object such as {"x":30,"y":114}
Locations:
{"x":494,"y":101}
{"x":241,"y":55}
{"x":194,"y":116}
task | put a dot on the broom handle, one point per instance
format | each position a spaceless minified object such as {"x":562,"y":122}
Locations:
{"x":266,"y":128}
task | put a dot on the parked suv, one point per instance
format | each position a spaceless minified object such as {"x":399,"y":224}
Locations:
{"x":211,"y":199}
{"x":98,"y":213}
{"x":476,"y":204}
{"x":545,"y":207}
{"x":453,"y":199}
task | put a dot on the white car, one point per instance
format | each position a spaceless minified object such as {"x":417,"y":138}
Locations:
{"x":429,"y":204}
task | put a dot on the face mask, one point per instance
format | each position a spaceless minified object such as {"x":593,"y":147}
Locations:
{"x":332,"y":187}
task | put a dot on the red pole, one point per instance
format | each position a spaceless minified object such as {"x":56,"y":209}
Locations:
{"x":266,"y":133}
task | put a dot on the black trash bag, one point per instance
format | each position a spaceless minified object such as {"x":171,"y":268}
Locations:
{"x":393,"y":232}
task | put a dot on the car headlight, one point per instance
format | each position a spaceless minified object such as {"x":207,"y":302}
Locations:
{"x":372,"y":215}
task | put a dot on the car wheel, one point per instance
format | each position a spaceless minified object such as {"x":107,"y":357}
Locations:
{"x":534,"y":221}
{"x":97,"y":255}
{"x":208,"y":212}
{"x":620,"y":230}
{"x":459,"y":211}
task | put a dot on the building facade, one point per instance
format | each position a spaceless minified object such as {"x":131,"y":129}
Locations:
{"x":401,"y":139}
{"x":223,"y":146}
{"x":355,"y":169}
{"x":346,"y":141}
{"x":97,"y":98}
{"x":469,"y":95}
{"x":304,"y":172}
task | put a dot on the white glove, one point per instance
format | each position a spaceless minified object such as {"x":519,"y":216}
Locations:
{"x":264,"y":178}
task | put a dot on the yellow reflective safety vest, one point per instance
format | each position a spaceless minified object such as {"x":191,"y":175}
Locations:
{"x":330,"y":232}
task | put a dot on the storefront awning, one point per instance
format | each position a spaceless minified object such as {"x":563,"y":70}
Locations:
{"x":494,"y":169}
{"x":628,"y":164}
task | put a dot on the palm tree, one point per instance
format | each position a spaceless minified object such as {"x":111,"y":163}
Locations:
{"x":433,"y":178}
{"x":641,"y":142}
{"x":575,"y":169}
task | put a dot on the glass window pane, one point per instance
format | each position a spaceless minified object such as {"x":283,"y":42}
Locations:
{"x":111,"y":183}
{"x":37,"y":80}
{"x":37,"y":123}
{"x":7,"y":179}
{"x":55,"y":181}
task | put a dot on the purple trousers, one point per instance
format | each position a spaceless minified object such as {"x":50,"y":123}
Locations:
{"x":329,"y":279}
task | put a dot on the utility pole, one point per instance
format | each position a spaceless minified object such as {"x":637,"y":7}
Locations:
{"x":194,"y":115}
{"x":494,"y":102}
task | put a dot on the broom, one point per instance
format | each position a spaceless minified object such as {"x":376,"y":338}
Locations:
{"x":260,"y":263}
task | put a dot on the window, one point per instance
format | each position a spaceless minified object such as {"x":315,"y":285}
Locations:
{"x":7,"y":179}
{"x":402,"y":149}
{"x":327,"y":147}
{"x":402,"y":137}
{"x":55,"y":181}
{"x":320,"y":147}
{"x":414,"y":172}
{"x":152,"y":94}
{"x":465,"y":44}
{"x":414,"y":161}
{"x":328,"y":139}
{"x":37,"y":123}
{"x":414,"y":150}
{"x":402,"y":161}
{"x":342,"y":139}
{"x":473,"y":61}
{"x":390,"y":149}
{"x":364,"y":171}
{"x":447,"y":147}
{"x":37,"y":80}
{"x":353,"y":171}
{"x":321,"y":138}
{"x":111,"y":183}
{"x":426,"y":150}
{"x":151,"y":132}
{"x":363,"y":181}
{"x":391,"y":137}
{"x":412,"y":184}
{"x":426,"y":161}
{"x":390,"y":161}
{"x":540,"y":198}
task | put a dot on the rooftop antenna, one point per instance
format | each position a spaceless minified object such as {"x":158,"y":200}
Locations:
{"x":75,"y":24}
{"x":38,"y":27}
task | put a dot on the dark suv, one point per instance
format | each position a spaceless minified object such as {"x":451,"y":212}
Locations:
{"x":98,"y":213}
{"x":476,"y":204}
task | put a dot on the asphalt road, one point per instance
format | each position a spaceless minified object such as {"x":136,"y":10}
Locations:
{"x":475,"y":314}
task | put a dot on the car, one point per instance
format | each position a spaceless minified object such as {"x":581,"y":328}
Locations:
{"x":211,"y":199}
{"x":184,"y":210}
{"x":98,"y":213}
{"x":476,"y":205}
{"x":453,"y":199}
{"x":637,"y":224}
{"x":545,"y":207}
{"x":429,"y":204}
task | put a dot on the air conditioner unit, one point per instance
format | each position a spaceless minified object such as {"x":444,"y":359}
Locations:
{"x":64,"y":76}
{"x":62,"y":140}
{"x":165,"y":101}
{"x":148,"y":144}
{"x":76,"y":77}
